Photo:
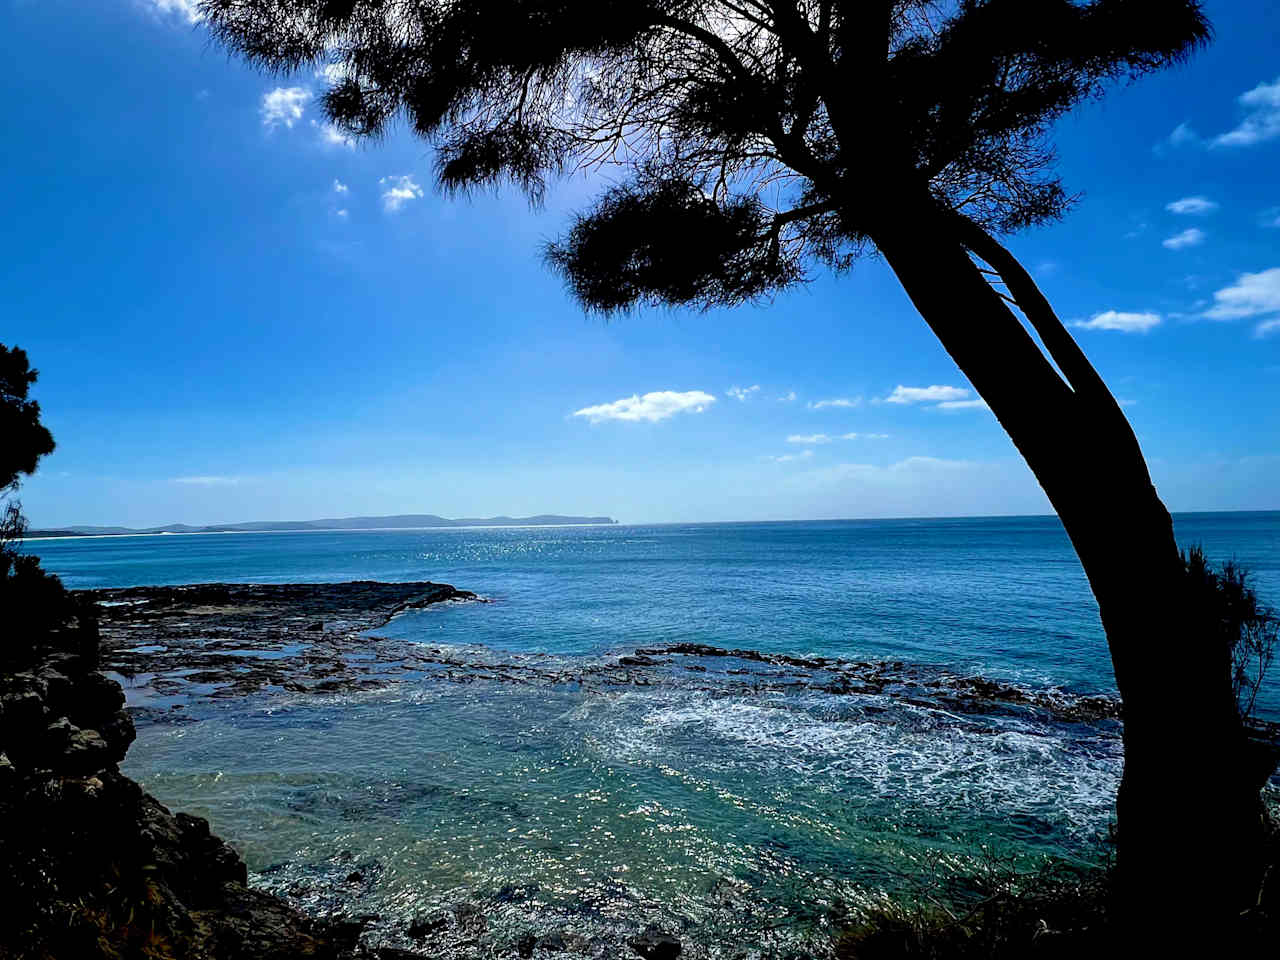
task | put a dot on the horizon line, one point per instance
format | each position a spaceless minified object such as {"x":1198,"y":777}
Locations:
{"x":158,"y":531}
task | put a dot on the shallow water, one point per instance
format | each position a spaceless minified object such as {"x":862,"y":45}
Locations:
{"x":747,"y":815}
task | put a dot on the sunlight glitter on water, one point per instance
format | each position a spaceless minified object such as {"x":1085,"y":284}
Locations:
{"x":716,"y":815}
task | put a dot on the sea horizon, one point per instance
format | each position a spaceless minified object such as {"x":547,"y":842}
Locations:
{"x":616,"y":523}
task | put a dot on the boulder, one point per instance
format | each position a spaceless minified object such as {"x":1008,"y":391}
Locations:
{"x":22,"y":721}
{"x":96,"y":697}
{"x":424,"y":926}
{"x":59,"y":688}
{"x":118,"y":730}
{"x":85,"y":752}
{"x":653,"y":944}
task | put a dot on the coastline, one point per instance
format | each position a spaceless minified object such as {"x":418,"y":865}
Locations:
{"x":101,"y":868}
{"x":193,"y":653}
{"x":210,"y":533}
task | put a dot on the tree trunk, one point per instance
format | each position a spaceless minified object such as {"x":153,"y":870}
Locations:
{"x":1189,"y":819}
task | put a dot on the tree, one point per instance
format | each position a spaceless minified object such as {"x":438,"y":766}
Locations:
{"x":34,"y":606}
{"x":767,"y":138}
{"x":25,"y":438}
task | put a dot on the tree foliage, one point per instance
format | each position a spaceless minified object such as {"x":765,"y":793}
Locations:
{"x":25,"y":438}
{"x":778,"y":132}
{"x":1232,"y":616}
{"x":35,"y":608}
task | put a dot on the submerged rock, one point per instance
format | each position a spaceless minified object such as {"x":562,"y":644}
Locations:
{"x":653,"y":944}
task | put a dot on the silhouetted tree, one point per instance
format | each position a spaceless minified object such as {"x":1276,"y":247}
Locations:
{"x":765,"y":138}
{"x":23,"y":438}
{"x":34,"y":605}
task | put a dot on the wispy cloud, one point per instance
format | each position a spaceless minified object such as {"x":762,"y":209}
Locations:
{"x":1262,"y":118}
{"x":792,"y":457}
{"x":283,"y":106}
{"x":933,"y":394}
{"x":188,"y":10}
{"x":1192,"y":206}
{"x":651,"y":407}
{"x":208,"y":481}
{"x":837,"y":403}
{"x":340,"y":187}
{"x":975,"y":404}
{"x":814,"y":439}
{"x":1192,"y":237}
{"x":1252,"y":295}
{"x":742,"y":394}
{"x":1270,"y":217}
{"x":1121,"y":321}
{"x":788,"y":397}
{"x":397,"y":191}
{"x":1182,"y":136}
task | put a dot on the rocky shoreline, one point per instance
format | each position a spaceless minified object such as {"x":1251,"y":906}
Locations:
{"x":105,"y":870}
{"x":98,"y":868}
{"x":173,"y":645}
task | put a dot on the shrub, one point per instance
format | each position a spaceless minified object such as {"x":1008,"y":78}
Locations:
{"x":1231,"y":615}
{"x":37,"y":612}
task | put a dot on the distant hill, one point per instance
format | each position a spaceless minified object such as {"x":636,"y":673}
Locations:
{"x":406,"y":521}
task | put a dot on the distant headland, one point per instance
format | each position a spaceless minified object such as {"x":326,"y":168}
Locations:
{"x":399,"y":522}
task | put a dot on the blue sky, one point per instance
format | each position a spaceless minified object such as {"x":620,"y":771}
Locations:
{"x":237,"y":316}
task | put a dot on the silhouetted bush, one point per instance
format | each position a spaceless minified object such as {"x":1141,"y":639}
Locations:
{"x":1230,"y":614}
{"x":37,"y":612}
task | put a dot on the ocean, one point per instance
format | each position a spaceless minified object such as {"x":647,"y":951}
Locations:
{"x":747,"y":818}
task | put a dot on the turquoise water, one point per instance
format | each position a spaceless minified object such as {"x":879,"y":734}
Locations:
{"x":710,"y":802}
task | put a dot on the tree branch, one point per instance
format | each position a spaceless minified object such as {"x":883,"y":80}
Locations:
{"x":1062,"y":347}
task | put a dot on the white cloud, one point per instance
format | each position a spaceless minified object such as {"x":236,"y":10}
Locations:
{"x":1266,"y":328}
{"x":864,"y":436}
{"x":1118,"y":320}
{"x":742,"y":394}
{"x":933,"y":394}
{"x":397,"y":191}
{"x":651,"y":407}
{"x":792,"y":457}
{"x":808,"y":438}
{"x":788,"y":397}
{"x":343,"y":214}
{"x":843,"y":403}
{"x":1252,"y":295}
{"x":975,"y":404}
{"x":188,"y":10}
{"x":1261,"y":123}
{"x":340,"y":187}
{"x":1187,"y":238}
{"x":208,"y":481}
{"x":1193,"y":206}
{"x":283,"y":105}
{"x":331,"y":136}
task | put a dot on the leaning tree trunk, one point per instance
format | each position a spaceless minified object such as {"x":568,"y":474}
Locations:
{"x":1189,"y":820}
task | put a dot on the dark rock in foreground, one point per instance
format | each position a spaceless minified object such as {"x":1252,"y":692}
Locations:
{"x":96,"y":868}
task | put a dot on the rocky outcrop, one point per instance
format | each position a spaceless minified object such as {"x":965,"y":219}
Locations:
{"x":96,"y":868}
